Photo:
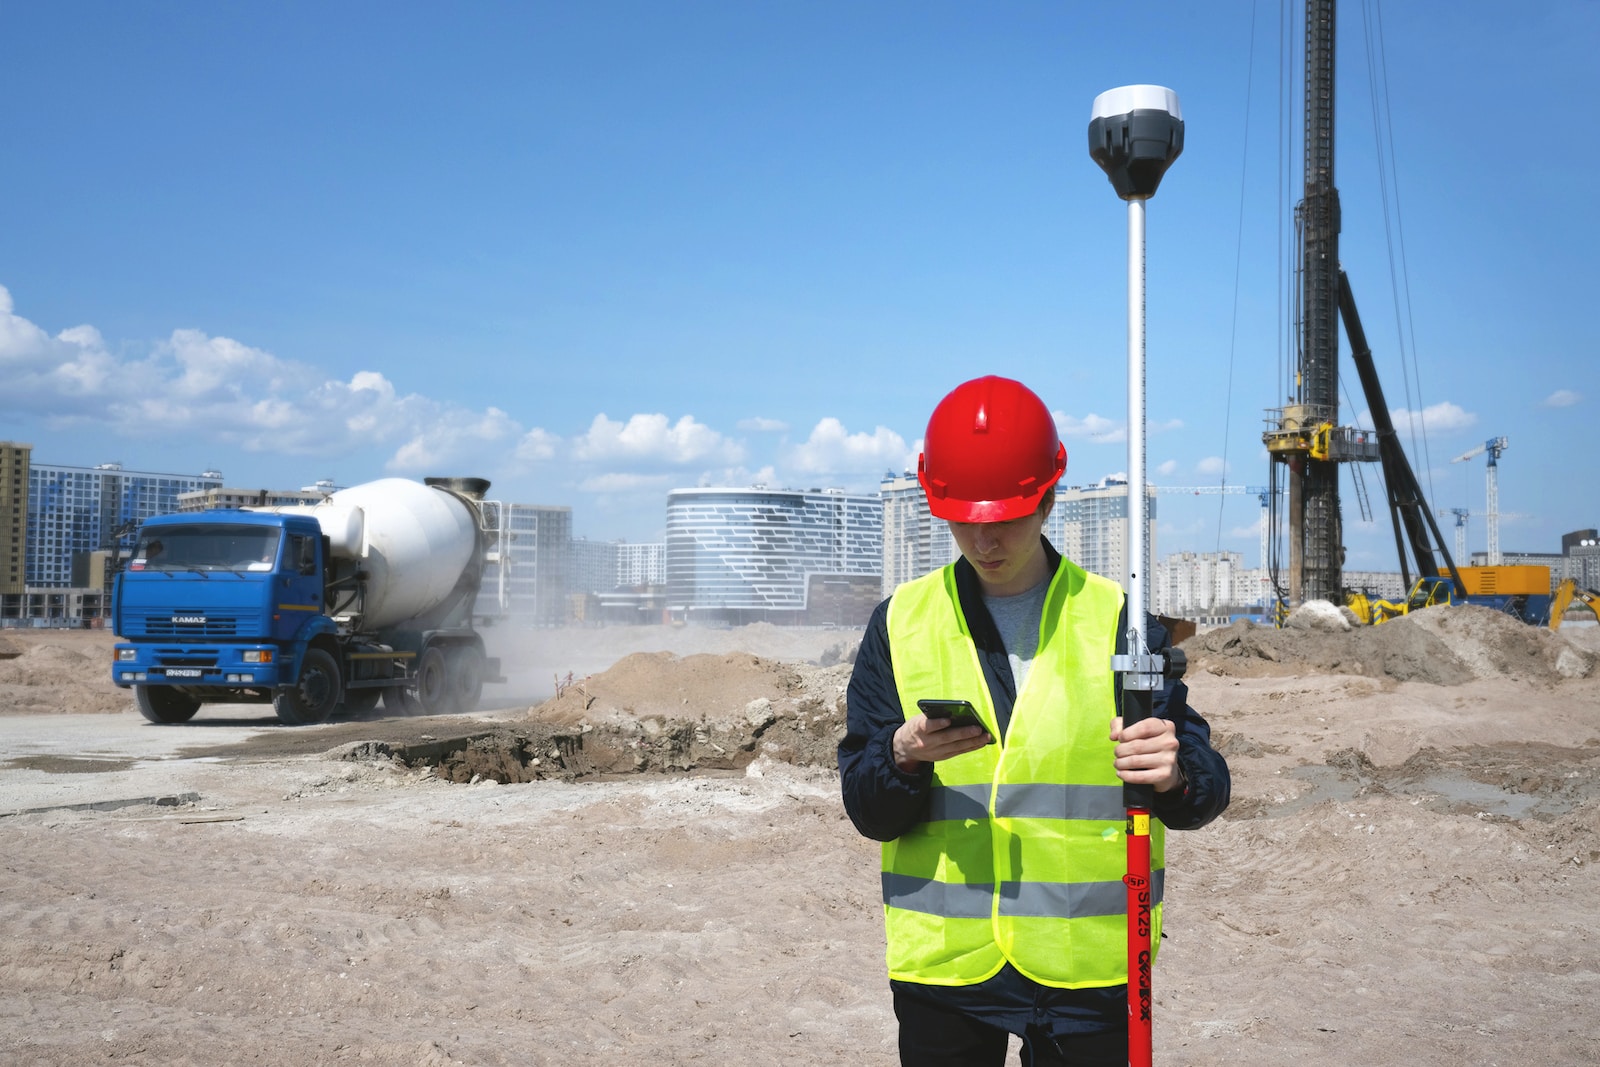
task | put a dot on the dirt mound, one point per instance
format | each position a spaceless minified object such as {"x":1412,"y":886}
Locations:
{"x":54,"y":671}
{"x":537,"y":661}
{"x":1493,"y":644}
{"x":662,"y":685}
{"x":1441,"y":646}
{"x":1393,"y":650}
{"x":653,"y":711}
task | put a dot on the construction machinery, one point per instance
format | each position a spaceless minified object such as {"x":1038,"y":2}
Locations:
{"x":367,"y":595}
{"x":1426,"y":593}
{"x":1567,"y":594}
{"x":1494,"y":446}
{"x":1304,"y":438}
{"x":1462,"y":515}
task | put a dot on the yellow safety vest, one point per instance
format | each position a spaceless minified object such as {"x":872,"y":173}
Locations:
{"x":1023,"y":852}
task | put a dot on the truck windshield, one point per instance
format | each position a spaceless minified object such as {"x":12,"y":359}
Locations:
{"x":206,"y":548}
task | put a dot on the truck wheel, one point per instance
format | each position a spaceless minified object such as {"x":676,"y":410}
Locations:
{"x":466,"y":677}
{"x":399,"y":700}
{"x":163,"y":704}
{"x":433,"y":682}
{"x":312,"y":698}
{"x":360,"y":701}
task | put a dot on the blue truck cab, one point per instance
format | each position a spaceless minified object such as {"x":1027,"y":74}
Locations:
{"x":219,"y":605}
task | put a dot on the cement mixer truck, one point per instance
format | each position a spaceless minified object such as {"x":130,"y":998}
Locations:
{"x":315,"y":609}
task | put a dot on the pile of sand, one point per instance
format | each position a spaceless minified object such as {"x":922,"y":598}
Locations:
{"x":1440,"y":646}
{"x":656,"y":712}
{"x":51,"y":671}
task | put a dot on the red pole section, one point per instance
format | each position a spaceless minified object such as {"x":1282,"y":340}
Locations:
{"x":1139,"y":894}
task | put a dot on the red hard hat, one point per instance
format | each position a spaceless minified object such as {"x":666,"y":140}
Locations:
{"x":990,"y":452}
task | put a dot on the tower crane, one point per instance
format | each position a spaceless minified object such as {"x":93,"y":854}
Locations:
{"x":1461,"y":515}
{"x":1494,"y":446}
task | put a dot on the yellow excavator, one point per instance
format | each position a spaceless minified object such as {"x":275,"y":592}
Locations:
{"x":1567,"y":592}
{"x":1521,"y":590}
{"x":1426,"y":593}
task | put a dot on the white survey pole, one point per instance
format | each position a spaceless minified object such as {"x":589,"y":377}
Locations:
{"x":1135,"y":133}
{"x":1138,"y":499}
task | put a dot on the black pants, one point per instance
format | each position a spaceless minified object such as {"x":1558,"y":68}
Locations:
{"x":931,"y":1036}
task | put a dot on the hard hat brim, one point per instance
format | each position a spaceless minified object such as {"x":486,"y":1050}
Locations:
{"x":950,"y":509}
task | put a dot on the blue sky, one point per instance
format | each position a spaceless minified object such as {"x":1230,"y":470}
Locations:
{"x":597,"y":251}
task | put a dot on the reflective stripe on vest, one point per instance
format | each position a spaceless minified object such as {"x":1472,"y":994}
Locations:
{"x":1022,"y":854}
{"x":1070,"y":899}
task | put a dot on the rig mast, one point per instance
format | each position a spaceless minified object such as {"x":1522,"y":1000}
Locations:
{"x":1305,"y":435}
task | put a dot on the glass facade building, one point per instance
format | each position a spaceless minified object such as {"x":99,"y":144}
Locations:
{"x":78,"y":510}
{"x":743,"y":555}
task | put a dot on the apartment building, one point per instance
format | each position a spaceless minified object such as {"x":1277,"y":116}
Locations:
{"x":74,"y":511}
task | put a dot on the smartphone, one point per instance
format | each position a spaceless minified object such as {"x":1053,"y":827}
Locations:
{"x":959,"y":712}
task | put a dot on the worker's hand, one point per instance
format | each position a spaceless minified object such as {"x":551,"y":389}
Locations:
{"x":925,"y":740}
{"x":1147,"y":753}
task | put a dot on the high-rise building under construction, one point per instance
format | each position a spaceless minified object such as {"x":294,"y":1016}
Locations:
{"x":14,"y":464}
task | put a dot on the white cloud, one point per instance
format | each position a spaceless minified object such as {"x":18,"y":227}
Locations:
{"x":1211,"y":465}
{"x":61,"y":375}
{"x":459,"y":438}
{"x":272,"y":413}
{"x":831,"y":450}
{"x":1443,"y":417}
{"x":1562,"y":398}
{"x":220,"y":368}
{"x":651,"y":437}
{"x":1253,"y":530}
{"x":537,"y":446}
{"x":760,"y":424}
{"x":370,"y":381}
{"x":1167,"y":467}
{"x":1094,"y":427}
{"x":228,"y":393}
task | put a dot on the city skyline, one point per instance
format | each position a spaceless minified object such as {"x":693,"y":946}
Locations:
{"x":596,"y":254}
{"x":733,"y":554}
{"x":1159,"y":501}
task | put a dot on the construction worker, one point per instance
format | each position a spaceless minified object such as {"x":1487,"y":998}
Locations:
{"x":1002,"y":862}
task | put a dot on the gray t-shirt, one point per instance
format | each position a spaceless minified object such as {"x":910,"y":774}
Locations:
{"x":1017,"y":619}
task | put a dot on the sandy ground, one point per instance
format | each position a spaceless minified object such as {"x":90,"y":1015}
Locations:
{"x":1407,"y":875}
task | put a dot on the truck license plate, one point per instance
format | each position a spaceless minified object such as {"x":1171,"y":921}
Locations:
{"x":184,"y":672}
